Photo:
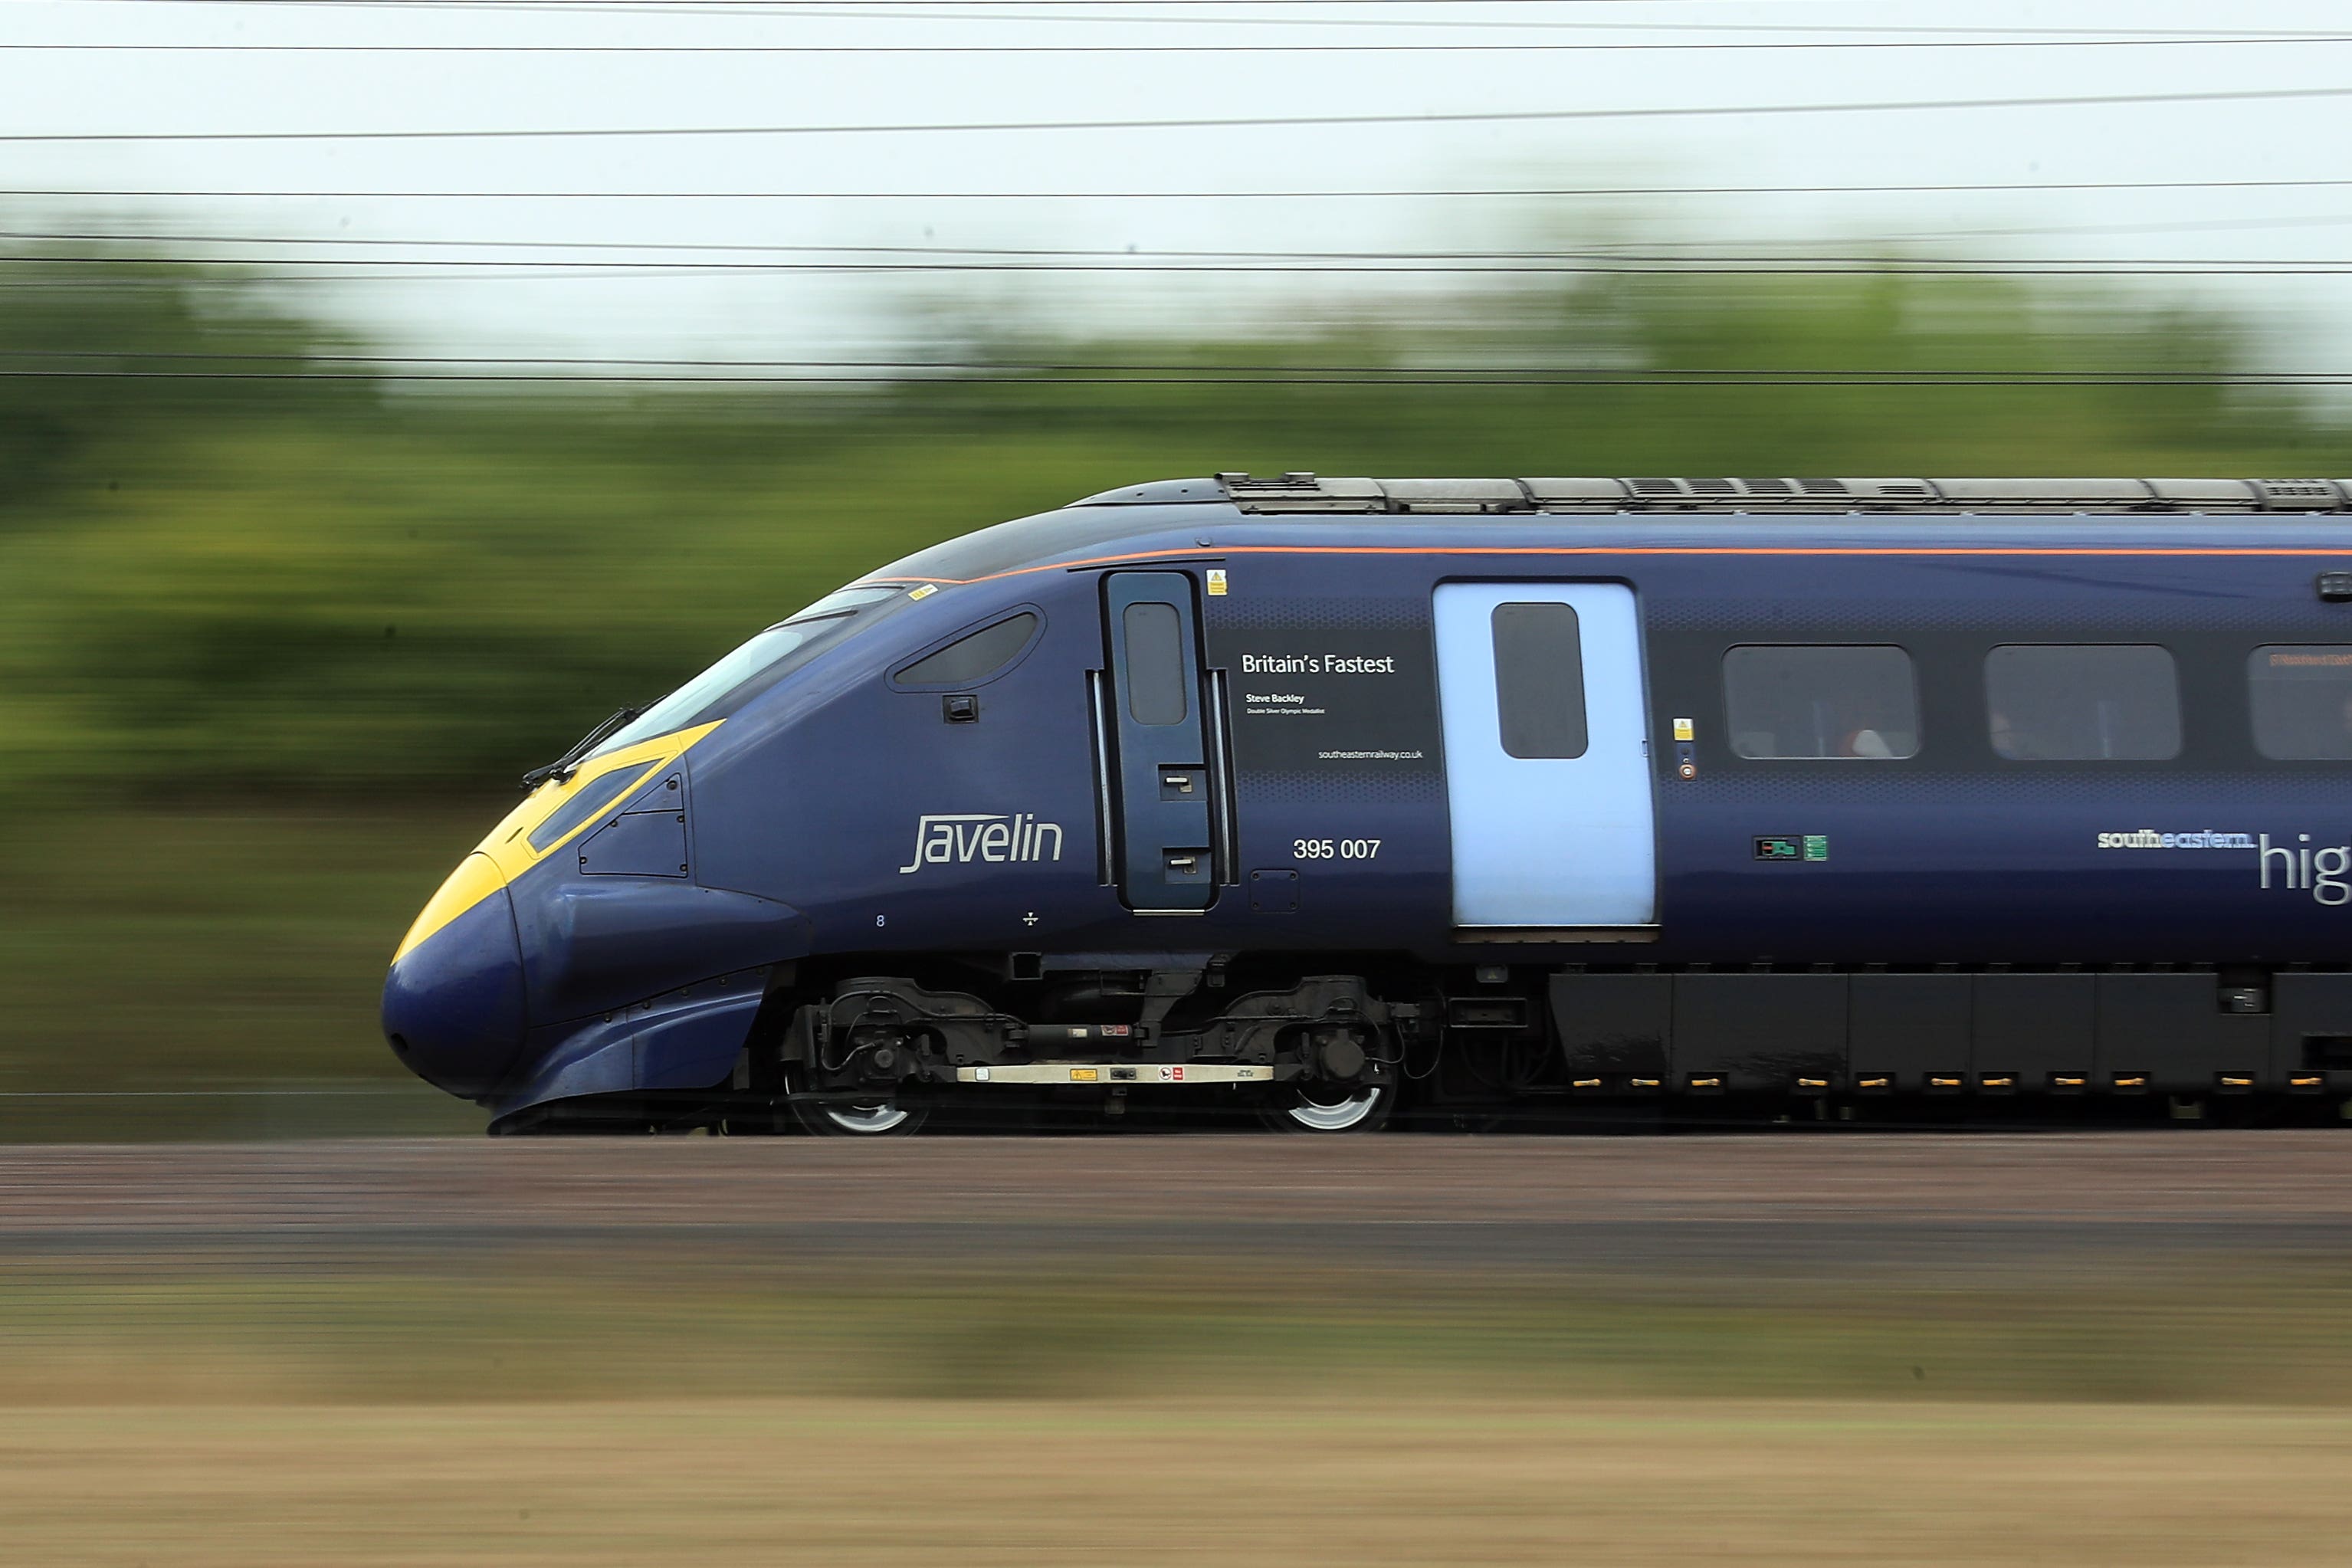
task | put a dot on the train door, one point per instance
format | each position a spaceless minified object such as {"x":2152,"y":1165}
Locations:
{"x":1157,"y":770}
{"x":1546,"y":760}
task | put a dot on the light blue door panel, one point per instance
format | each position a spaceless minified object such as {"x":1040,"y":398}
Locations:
{"x":1542,"y":838}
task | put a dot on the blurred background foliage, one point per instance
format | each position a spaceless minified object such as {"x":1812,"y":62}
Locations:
{"x":274,"y":643}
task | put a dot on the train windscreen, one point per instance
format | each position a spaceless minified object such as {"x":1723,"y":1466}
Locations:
{"x":753,"y":667}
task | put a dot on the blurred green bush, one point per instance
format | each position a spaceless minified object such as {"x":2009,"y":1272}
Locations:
{"x":324,"y":584}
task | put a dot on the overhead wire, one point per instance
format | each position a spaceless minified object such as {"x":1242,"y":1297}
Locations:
{"x":857,"y":259}
{"x":1053,"y":12}
{"x":727,"y":373}
{"x":535,"y":272}
{"x":1466,"y":117}
{"x":1773,"y":44}
{"x":1646,"y":249}
{"x":64,"y":193}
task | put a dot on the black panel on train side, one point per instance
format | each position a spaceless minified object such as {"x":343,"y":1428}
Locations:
{"x":1907,"y":1026}
{"x":2311,"y":1025}
{"x":2035,"y":1023}
{"x":1765,"y":1031}
{"x":1760,"y":1031}
{"x":1614,"y":1025}
{"x":2172,"y":1028}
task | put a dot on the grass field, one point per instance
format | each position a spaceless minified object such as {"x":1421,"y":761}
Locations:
{"x":341,"y":1320}
{"x":168,"y":965}
{"x":1368,"y":1477}
{"x":199,"y":1374}
{"x":700,"y":1404}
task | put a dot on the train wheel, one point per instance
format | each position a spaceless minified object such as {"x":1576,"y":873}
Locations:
{"x":879,"y":1118}
{"x":1330,"y":1108}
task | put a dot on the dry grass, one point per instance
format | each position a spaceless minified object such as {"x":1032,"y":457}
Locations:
{"x":542,"y":1327}
{"x":347,"y":1398}
{"x":1366,"y":1480}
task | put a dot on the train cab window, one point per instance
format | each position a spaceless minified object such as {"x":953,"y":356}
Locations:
{"x":1856,"y":701}
{"x":974,"y":657}
{"x":759,"y":664}
{"x":1540,"y":680}
{"x":2302,"y":698}
{"x":2082,"y":702}
{"x":1155,"y":663}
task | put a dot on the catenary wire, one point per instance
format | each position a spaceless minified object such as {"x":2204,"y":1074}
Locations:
{"x":2276,"y":41}
{"x":976,"y":258}
{"x":523,"y":271}
{"x":1267,"y":121}
{"x":1053,"y":12}
{"x":1626,"y":250}
{"x":1482,"y":192}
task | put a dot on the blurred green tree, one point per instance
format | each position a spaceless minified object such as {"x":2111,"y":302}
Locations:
{"x":99,"y":350}
{"x":311,"y":585}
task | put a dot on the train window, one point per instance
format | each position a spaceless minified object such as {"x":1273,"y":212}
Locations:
{"x":968,"y":660}
{"x":842,"y":599}
{"x":1826,"y":701}
{"x":2302,"y":701}
{"x":1540,"y":680}
{"x":592,"y":798}
{"x":1155,"y":663}
{"x":2083,"y":702}
{"x":734,"y":680}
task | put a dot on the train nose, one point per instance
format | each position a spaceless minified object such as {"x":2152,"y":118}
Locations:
{"x":453,"y":1004}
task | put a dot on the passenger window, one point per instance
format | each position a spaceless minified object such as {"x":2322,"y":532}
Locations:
{"x":2302,"y":701}
{"x":1789,"y":702}
{"x":1155,"y":663}
{"x":2107,"y":703}
{"x":972,"y":659}
{"x":1540,"y":680}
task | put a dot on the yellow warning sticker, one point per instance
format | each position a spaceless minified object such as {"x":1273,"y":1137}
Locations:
{"x":1684,"y":731}
{"x":1216,"y":582}
{"x":925,"y":592}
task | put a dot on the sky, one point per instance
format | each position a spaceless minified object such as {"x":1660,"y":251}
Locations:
{"x":77,"y":113}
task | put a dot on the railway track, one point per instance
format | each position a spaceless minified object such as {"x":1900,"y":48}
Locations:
{"x":1537,"y":1202}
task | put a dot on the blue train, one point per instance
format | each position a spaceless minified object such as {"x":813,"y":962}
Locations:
{"x":1309,"y":797}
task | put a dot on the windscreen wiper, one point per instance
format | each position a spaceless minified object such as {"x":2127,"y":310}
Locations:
{"x":564,"y":766}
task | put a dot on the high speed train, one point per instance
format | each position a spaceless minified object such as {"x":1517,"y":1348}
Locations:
{"x":1310,"y":798}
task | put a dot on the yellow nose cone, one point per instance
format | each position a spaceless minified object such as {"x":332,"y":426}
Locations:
{"x":504,"y":856}
{"x":476,"y":879}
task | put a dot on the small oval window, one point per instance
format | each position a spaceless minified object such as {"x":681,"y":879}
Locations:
{"x":970,"y":659}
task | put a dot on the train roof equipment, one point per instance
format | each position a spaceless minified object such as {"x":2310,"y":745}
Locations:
{"x":1292,"y":493}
